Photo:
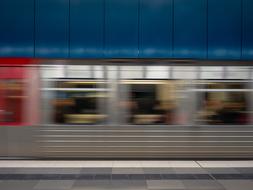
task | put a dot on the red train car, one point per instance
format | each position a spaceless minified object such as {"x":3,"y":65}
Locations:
{"x":18,"y":92}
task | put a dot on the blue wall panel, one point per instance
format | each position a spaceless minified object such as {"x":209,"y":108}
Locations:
{"x":190,"y":29}
{"x":247,"y":49}
{"x":121,"y":28}
{"x":86,"y":28}
{"x":52,"y":28}
{"x":198,"y":29}
{"x":16,"y":28}
{"x":224,"y":29}
{"x":156,"y":28}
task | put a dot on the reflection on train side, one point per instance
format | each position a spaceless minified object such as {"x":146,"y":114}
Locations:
{"x":79,"y":102}
{"x":223,"y":103}
{"x":154,"y":101}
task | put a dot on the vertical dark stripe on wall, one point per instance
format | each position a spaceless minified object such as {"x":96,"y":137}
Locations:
{"x":173,"y":29}
{"x":121,"y":29}
{"x":224,"y":29}
{"x":207,"y":36}
{"x":87,"y":28}
{"x":155,"y":29}
{"x":17,"y":28}
{"x":241,"y":26}
{"x":190,"y":29}
{"x":34,"y":27}
{"x":69,"y":30}
{"x":139,"y":26}
{"x":247,"y":31}
{"x":52,"y":22}
{"x":104,"y":31}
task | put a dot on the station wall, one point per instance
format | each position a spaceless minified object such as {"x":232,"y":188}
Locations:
{"x":191,"y":29}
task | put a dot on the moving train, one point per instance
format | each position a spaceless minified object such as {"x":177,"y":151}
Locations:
{"x":145,"y":108}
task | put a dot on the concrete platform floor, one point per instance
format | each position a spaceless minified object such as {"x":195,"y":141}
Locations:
{"x":127,"y":175}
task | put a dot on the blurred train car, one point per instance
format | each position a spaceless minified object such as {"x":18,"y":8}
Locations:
{"x":146,"y":109}
{"x":126,"y":109}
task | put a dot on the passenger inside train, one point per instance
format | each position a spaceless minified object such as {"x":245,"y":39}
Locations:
{"x":76,"y":102}
{"x":224,"y":104}
{"x":155,"y":103}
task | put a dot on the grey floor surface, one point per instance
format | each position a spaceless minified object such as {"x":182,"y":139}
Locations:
{"x":127,"y":178}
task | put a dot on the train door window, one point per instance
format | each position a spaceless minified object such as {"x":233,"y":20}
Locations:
{"x":12,"y":98}
{"x":153,"y":102}
{"x":79,"y":102}
{"x":223,"y":102}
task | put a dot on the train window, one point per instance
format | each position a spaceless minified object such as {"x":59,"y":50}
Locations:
{"x":223,"y":103}
{"x":154,"y":102}
{"x":11,"y":100}
{"x":79,"y":102}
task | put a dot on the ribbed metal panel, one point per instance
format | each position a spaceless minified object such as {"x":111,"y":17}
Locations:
{"x":145,"y":141}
